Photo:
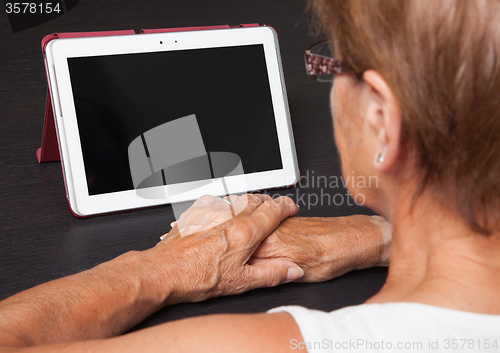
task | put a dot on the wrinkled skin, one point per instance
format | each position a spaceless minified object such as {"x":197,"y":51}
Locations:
{"x":215,"y":260}
{"x":328,"y":248}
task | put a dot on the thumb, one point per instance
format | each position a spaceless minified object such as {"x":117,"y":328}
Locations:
{"x":271,"y":272}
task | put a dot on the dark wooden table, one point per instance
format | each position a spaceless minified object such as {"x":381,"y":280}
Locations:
{"x":40,"y":240}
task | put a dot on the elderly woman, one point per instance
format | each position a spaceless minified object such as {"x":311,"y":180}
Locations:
{"x":415,"y":103}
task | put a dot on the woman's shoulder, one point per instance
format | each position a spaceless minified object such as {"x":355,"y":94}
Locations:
{"x":420,"y":325}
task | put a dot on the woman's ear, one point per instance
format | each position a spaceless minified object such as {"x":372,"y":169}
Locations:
{"x":384,"y":118}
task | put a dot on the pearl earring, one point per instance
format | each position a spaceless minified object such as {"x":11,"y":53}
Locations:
{"x":380,"y":158}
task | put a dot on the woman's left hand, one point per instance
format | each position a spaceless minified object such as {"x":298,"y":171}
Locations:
{"x":328,"y":247}
{"x":214,"y":258}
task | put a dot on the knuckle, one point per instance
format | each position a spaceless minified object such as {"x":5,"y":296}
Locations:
{"x":285,"y":200}
{"x":203,"y":201}
{"x":241,"y":228}
{"x":253,"y":200}
{"x":267,"y":197}
{"x":274,"y":278}
{"x":273,"y":206}
{"x":288,"y":200}
{"x":206,"y":198}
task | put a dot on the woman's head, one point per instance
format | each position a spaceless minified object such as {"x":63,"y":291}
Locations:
{"x":440,"y":61}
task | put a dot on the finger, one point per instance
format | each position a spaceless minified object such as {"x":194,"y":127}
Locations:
{"x":207,"y":212}
{"x":266,"y":218}
{"x":225,"y":201}
{"x":233,"y":198}
{"x":205,"y":201}
{"x":270,"y":273}
{"x":248,"y":203}
{"x":225,"y":204}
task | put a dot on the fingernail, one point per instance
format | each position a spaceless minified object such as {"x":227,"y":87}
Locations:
{"x":294,"y":273}
{"x":163,"y":236}
{"x":173,"y":224}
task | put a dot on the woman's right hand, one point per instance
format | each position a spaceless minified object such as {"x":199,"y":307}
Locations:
{"x":326,"y":248}
{"x":214,"y":258}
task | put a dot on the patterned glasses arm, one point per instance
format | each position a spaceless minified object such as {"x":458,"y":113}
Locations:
{"x":322,"y":65}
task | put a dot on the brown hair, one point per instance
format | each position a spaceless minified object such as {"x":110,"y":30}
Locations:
{"x":441,"y":59}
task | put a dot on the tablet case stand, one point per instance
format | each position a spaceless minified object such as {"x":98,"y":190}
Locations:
{"x":49,"y":151}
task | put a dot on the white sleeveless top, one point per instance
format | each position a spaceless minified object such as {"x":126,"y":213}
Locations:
{"x":394,"y":327}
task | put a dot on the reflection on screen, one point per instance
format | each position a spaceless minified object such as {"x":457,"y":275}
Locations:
{"x":119,"y":97}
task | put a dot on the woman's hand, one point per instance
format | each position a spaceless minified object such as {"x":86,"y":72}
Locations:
{"x":214,"y":260}
{"x":329,"y":247}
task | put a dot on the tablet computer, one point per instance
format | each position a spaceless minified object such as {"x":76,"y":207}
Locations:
{"x":149,"y":119}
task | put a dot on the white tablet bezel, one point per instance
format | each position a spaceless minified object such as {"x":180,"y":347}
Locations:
{"x":59,"y":50}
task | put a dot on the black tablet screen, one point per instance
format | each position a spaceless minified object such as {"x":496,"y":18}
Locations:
{"x":119,"y":97}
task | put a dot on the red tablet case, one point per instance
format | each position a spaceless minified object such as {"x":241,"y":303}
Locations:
{"x":49,"y":151}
